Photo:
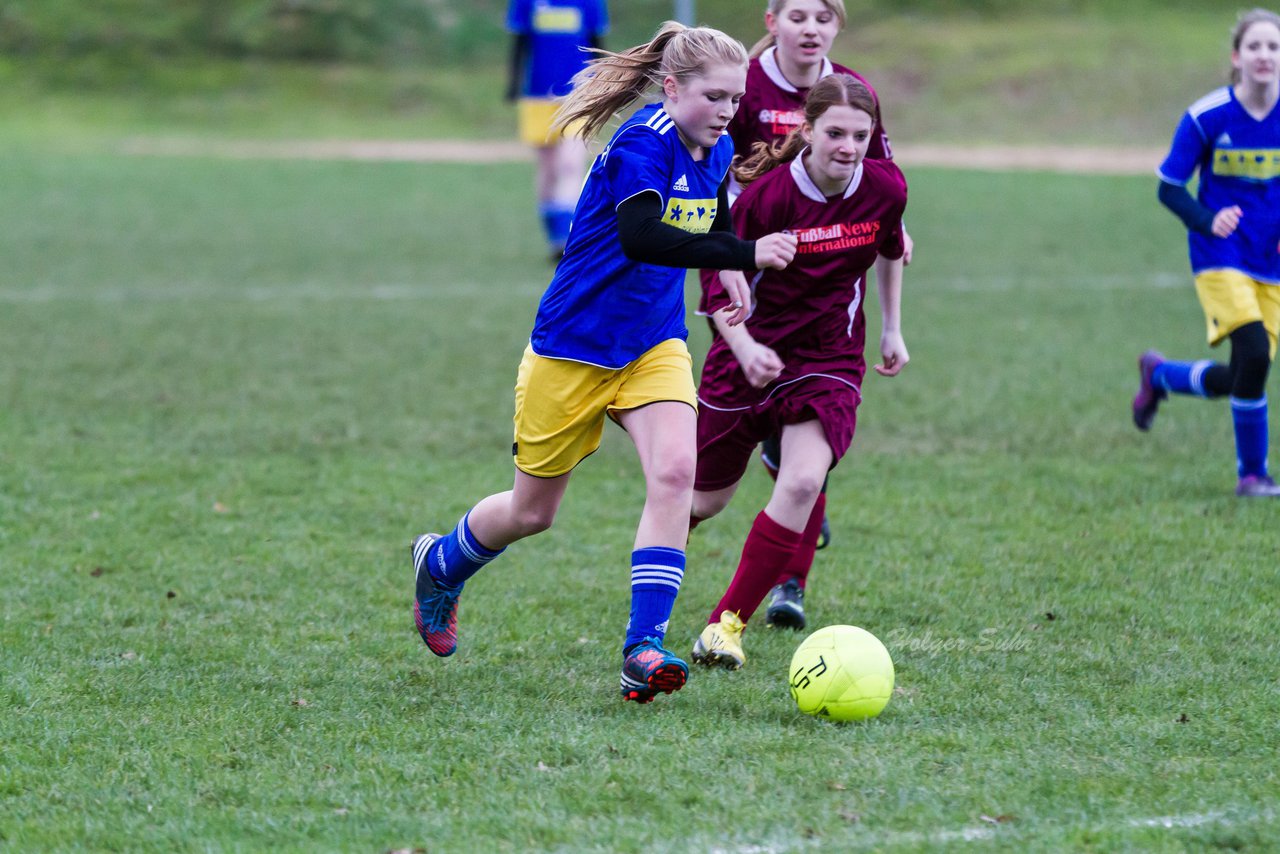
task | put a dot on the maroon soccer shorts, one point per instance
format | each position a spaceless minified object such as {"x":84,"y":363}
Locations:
{"x":727,"y":439}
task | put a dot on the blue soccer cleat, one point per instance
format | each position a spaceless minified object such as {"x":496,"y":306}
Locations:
{"x":1257,"y":486}
{"x":650,"y":670}
{"x":1147,"y":400}
{"x":435,"y":607}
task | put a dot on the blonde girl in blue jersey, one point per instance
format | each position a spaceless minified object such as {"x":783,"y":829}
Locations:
{"x":1232,"y":138}
{"x":609,"y":337}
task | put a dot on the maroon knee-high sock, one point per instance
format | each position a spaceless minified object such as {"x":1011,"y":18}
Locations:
{"x":768,"y":547}
{"x":802,"y":558}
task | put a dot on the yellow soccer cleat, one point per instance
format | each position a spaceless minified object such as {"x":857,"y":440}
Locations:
{"x":720,"y":644}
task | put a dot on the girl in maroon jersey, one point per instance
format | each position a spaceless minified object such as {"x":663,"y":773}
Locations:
{"x":790,"y":59}
{"x":795,"y":368}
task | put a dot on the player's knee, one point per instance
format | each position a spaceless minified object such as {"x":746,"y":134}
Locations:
{"x":801,"y":489}
{"x":673,"y":474}
{"x":708,"y":504}
{"x":533,"y":520}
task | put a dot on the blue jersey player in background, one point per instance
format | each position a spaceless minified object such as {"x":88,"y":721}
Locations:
{"x":1232,"y":138}
{"x":609,"y":338}
{"x":547,"y":51}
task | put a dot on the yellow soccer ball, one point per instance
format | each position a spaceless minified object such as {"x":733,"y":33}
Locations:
{"x":841,"y":673}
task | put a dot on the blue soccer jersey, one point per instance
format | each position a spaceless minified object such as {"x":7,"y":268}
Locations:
{"x":1238,"y":158}
{"x":557,"y":30}
{"x":601,"y":307}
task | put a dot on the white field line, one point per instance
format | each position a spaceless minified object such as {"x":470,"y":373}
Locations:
{"x":1075,"y":160}
{"x":980,"y":833}
{"x":277,"y":293}
{"x":304,"y":292}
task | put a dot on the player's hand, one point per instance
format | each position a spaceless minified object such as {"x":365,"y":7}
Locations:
{"x":775,"y":251}
{"x":909,"y":246}
{"x":893,"y":350}
{"x":1226,"y":220}
{"x":735,"y":285}
{"x":759,"y":363}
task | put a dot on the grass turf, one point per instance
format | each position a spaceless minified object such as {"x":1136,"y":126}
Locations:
{"x":231,"y":392}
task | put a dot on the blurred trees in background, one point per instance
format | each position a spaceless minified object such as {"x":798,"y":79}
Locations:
{"x":391,"y":31}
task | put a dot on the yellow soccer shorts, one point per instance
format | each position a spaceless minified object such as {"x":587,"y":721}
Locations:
{"x":534,"y":117}
{"x":561,"y":405}
{"x":1231,"y":299}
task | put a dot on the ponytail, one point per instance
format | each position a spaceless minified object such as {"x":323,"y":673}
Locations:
{"x":612,"y":81}
{"x":764,"y":157}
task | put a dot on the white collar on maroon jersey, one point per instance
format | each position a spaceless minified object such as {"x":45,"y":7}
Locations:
{"x":769,"y":64}
{"x":809,"y":189}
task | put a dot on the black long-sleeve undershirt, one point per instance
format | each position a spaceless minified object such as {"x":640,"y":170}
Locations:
{"x":646,"y":238}
{"x":1195,"y":216}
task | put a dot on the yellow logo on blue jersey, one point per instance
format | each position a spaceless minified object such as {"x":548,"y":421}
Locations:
{"x":694,"y":215}
{"x":557,"y":19}
{"x":1259,"y":164}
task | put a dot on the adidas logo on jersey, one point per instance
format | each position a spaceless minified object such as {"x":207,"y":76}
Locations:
{"x":1224,"y":140}
{"x":681,"y":185}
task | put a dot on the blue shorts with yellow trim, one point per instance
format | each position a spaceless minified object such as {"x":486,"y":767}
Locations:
{"x":561,"y":405}
{"x":1231,"y":299}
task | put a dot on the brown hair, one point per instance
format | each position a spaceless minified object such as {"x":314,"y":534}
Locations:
{"x":613,"y":80}
{"x":1243,"y":23}
{"x":831,"y":91}
{"x":776,"y":7}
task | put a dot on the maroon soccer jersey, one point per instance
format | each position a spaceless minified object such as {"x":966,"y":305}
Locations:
{"x":772,"y":107}
{"x":811,"y":312}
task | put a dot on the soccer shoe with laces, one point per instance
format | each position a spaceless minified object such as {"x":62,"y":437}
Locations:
{"x":649,"y":670}
{"x":786,"y":606}
{"x":1147,"y":400}
{"x":720,"y":644}
{"x":1257,"y":486}
{"x":435,"y":607}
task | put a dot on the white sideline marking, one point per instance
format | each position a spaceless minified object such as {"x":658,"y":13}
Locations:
{"x":532,"y":287}
{"x":313,"y":293}
{"x":984,"y":832}
{"x":1095,"y":160}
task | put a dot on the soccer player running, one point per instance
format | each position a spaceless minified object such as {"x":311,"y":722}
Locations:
{"x":796,"y":366}
{"x":1232,"y":137}
{"x":546,"y":53}
{"x":785,"y":63}
{"x":609,"y":337}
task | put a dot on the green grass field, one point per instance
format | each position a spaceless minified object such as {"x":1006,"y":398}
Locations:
{"x":232,"y":391}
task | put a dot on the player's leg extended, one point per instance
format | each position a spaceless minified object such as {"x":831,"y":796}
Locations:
{"x":557,"y":424}
{"x":1229,"y":302}
{"x":442,"y":565}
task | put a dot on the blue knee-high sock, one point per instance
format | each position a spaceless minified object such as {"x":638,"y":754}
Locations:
{"x":656,"y":573}
{"x":1181,"y":377}
{"x":458,"y":555}
{"x":557,"y":217}
{"x":1250,"y":419}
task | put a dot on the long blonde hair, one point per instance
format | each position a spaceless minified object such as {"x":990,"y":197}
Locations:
{"x":613,"y":80}
{"x":776,"y":8}
{"x":831,"y":91}
{"x":1243,"y":23}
